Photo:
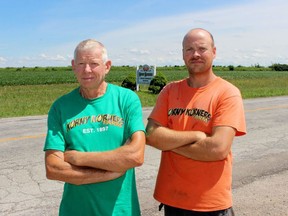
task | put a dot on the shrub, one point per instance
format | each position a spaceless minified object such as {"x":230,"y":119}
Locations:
{"x":231,"y":68}
{"x":279,"y":67}
{"x":130,"y":82}
{"x":157,"y":83}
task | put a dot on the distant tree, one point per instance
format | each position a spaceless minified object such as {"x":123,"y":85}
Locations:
{"x":279,"y":67}
{"x":231,"y":68}
{"x":157,"y":83}
{"x":130,"y":82}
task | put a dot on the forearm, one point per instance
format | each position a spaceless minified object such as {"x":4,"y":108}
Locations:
{"x":166,"y":139}
{"x":57,"y":169}
{"x":213,"y":148}
{"x":202,"y":150}
{"x":116,"y":161}
{"x":81,"y":175}
{"x":121,"y":159}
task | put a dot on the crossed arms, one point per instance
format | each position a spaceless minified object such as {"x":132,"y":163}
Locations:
{"x":191,"y":144}
{"x":92,"y":167}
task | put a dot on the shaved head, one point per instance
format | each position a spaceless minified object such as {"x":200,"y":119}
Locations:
{"x":198,"y":31}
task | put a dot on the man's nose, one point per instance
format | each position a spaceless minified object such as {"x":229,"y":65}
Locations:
{"x":196,"y":53}
{"x":87,"y":68}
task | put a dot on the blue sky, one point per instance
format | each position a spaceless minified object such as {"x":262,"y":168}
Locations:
{"x":45,"y":33}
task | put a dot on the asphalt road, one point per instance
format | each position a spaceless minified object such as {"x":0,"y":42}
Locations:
{"x":260,"y":176}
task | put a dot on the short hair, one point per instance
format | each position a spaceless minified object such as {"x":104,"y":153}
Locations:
{"x":90,"y":44}
{"x":211,"y":36}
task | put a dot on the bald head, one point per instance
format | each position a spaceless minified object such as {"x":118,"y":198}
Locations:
{"x":198,"y":32}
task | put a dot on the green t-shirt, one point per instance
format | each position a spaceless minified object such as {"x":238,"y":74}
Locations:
{"x":101,"y":124}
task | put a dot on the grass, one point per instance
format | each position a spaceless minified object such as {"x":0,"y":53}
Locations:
{"x":26,"y":100}
{"x":31,"y":92}
{"x":258,"y":84}
{"x":265,"y":87}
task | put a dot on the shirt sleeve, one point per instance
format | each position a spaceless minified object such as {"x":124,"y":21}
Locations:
{"x":54,"y":138}
{"x":160,"y":110}
{"x":134,"y":115}
{"x":230,"y":112}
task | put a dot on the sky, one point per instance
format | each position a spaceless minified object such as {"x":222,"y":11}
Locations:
{"x":45,"y":33}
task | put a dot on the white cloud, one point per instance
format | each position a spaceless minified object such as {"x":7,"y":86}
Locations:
{"x":2,"y":60}
{"x":245,"y":34}
{"x":53,"y":58}
{"x":249,"y":28}
{"x":141,"y":52}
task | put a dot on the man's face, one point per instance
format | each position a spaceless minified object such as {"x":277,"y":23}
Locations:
{"x":89,"y":68}
{"x":198,"y":52}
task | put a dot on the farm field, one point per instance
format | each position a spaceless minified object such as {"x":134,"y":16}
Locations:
{"x":31,"y":91}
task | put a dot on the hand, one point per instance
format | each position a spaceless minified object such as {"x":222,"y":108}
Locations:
{"x":114,"y":175}
{"x":72,"y":157}
{"x":201,"y":135}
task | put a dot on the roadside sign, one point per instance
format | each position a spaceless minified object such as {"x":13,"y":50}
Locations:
{"x":144,"y":74}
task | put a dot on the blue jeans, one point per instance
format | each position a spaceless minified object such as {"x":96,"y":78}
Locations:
{"x":172,"y":211}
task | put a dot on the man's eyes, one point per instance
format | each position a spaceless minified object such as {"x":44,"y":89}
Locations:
{"x":92,"y":64}
{"x":200,"y":49}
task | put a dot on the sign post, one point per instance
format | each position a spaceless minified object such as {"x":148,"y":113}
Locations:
{"x":144,"y":74}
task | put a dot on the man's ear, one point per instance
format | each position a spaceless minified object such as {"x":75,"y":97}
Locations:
{"x":108,"y":65}
{"x":73,"y":64}
{"x":214,"y":52}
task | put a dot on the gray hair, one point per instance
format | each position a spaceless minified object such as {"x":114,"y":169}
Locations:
{"x":90,"y":44}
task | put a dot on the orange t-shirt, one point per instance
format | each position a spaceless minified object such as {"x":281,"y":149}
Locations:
{"x":186,"y":183}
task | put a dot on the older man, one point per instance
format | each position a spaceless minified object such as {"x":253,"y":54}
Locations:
{"x":95,"y":139}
